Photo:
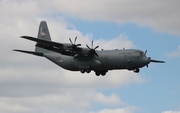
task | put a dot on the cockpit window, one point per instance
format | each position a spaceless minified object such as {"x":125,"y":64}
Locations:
{"x":142,"y":54}
{"x":139,"y":53}
{"x":136,"y":53}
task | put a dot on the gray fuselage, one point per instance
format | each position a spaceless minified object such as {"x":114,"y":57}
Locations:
{"x":73,"y":57}
{"x":107,"y":60}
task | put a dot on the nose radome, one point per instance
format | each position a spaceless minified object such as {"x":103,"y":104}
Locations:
{"x":146,"y":60}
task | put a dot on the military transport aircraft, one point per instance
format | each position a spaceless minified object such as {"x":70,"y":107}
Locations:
{"x":72,"y":57}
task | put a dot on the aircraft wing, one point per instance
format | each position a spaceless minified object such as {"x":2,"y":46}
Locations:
{"x":64,"y":49}
{"x":50,"y":43}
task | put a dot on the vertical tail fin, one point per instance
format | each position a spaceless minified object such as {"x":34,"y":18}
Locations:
{"x":43,"y":34}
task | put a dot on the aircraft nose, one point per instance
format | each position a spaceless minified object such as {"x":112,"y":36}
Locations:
{"x":146,"y":60}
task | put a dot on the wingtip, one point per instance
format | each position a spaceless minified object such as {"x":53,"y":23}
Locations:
{"x":29,"y":52}
{"x":16,"y":50}
{"x":24,"y":36}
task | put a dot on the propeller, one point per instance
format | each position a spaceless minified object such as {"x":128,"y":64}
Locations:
{"x":92,"y":50}
{"x":145,"y":52}
{"x":74,"y":45}
{"x":149,"y":58}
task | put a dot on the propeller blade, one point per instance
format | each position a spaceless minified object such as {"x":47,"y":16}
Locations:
{"x":75,"y":40}
{"x":88,"y":46}
{"x":92,"y":44}
{"x":157,"y":61}
{"x":78,"y":45}
{"x":95,"y":53}
{"x":96,"y":47}
{"x":70,"y":40}
{"x":145,"y":52}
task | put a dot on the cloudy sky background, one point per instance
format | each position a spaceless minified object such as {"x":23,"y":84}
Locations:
{"x":33,"y":84}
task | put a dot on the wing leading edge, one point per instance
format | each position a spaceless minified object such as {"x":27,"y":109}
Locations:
{"x":49,"y":45}
{"x":46,"y":42}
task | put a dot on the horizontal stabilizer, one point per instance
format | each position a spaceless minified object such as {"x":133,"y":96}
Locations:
{"x":46,"y":42}
{"x":30,"y":52}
